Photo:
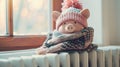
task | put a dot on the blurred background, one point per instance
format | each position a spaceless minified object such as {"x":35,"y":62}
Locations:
{"x":29,"y":17}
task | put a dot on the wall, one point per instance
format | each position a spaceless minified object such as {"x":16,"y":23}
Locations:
{"x":95,"y":19}
{"x":111,"y":22}
{"x":105,"y":19}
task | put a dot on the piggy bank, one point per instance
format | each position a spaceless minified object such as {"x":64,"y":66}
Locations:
{"x":72,"y":32}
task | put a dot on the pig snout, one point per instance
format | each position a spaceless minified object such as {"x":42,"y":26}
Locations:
{"x":70,"y":28}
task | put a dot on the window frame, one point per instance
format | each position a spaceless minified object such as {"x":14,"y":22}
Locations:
{"x":15,"y":42}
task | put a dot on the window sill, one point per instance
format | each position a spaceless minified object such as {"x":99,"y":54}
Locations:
{"x":21,"y":42}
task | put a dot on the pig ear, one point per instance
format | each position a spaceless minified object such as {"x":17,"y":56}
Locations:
{"x":55,"y":15}
{"x":85,"y":13}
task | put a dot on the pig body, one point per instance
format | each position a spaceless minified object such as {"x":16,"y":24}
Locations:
{"x":72,"y":32}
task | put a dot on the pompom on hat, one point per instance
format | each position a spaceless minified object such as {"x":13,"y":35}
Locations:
{"x":71,"y":10}
{"x":71,"y":3}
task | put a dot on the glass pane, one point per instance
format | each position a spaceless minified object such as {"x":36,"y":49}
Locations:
{"x":31,"y":16}
{"x":2,"y":17}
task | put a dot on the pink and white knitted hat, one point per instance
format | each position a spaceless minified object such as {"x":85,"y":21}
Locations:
{"x":71,"y":11}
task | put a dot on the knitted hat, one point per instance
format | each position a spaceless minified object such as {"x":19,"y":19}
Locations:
{"x":71,"y":11}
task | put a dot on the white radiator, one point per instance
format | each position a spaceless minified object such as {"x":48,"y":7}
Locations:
{"x":102,"y":57}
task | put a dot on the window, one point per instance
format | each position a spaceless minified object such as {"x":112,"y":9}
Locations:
{"x":2,"y":17}
{"x":24,"y":21}
{"x":31,"y":17}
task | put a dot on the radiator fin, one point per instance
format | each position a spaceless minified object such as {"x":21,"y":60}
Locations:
{"x":16,"y":62}
{"x":74,"y":59}
{"x":64,"y":60}
{"x":100,"y":58}
{"x":93,"y":59}
{"x":40,"y":61}
{"x":28,"y":61}
{"x":84,"y":59}
{"x":116,"y":57}
{"x":5,"y":63}
{"x":54,"y":60}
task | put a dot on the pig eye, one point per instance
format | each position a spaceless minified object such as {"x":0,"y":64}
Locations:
{"x":64,"y":23}
{"x":75,"y":22}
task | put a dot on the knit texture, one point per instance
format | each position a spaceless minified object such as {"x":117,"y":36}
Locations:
{"x":76,"y":43}
{"x":71,"y":14}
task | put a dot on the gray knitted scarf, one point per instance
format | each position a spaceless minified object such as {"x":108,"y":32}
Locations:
{"x":57,"y":37}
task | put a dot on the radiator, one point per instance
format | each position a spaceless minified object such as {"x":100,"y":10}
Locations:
{"x":102,"y":57}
